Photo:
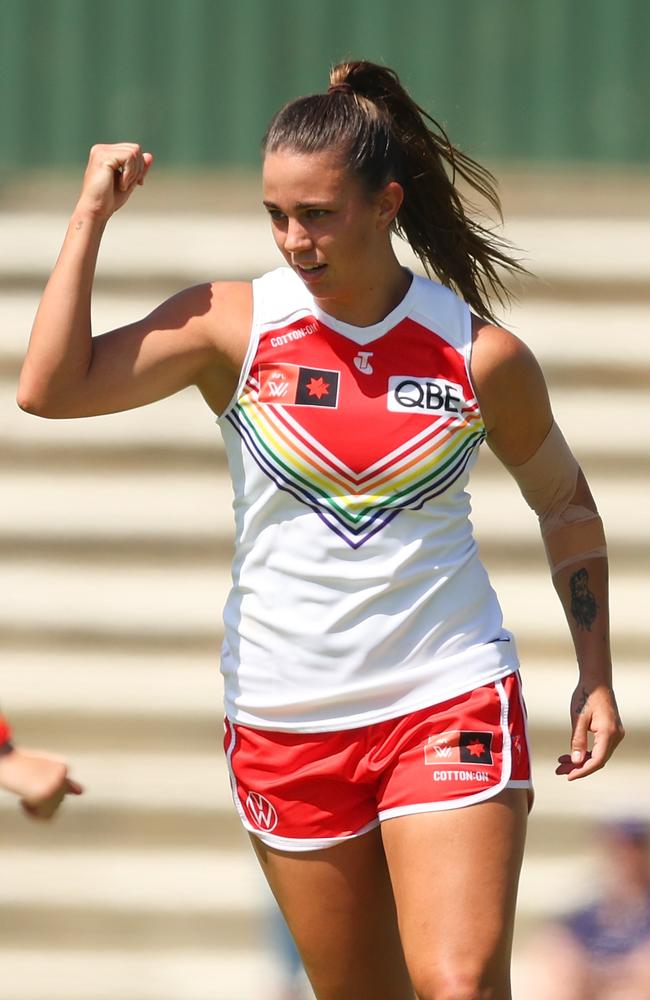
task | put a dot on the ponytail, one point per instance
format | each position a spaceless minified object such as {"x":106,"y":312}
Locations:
{"x":384,"y":135}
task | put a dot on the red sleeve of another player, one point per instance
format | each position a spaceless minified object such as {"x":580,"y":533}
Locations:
{"x":5,"y":731}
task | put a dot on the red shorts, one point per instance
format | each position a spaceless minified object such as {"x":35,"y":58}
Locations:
{"x":304,"y":791}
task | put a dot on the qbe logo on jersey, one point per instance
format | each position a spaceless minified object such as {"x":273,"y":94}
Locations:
{"x":296,"y":385}
{"x":414,"y":394}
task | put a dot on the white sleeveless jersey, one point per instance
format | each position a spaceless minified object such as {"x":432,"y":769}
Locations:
{"x":357,"y":591}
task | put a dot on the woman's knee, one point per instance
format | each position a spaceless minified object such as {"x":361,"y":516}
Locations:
{"x":458,"y":984}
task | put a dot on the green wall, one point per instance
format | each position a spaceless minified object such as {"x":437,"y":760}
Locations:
{"x":196,"y":80}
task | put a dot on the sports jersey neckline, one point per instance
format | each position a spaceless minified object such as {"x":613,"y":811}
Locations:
{"x":363,"y":335}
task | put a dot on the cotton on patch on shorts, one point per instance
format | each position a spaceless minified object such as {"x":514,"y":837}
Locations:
{"x":305,"y":791}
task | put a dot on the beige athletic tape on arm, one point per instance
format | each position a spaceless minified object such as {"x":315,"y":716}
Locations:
{"x":548,"y":482}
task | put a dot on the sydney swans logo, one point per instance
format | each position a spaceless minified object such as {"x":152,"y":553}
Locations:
{"x":261,"y":812}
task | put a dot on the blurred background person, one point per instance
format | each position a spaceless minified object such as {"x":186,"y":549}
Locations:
{"x":601,"y":951}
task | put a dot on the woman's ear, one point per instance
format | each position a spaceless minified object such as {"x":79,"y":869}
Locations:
{"x":389,"y":201}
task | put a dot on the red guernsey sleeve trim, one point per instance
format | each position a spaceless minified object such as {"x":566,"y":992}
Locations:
{"x":5,"y":731}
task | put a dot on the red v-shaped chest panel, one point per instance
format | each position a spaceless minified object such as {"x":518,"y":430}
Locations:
{"x":358,"y":433}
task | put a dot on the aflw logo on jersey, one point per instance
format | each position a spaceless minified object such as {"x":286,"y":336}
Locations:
{"x":295,"y":385}
{"x":459,"y":747}
{"x":413,"y":394}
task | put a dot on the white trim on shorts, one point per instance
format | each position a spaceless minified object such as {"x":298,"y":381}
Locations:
{"x":526,"y":783}
{"x":302,"y":844}
{"x":233,"y":779}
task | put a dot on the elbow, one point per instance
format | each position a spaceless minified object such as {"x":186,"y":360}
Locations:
{"x":28,"y":403}
{"x":39,"y":401}
{"x":54,"y":395}
{"x":31,"y":400}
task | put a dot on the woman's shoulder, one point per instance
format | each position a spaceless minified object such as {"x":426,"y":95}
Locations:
{"x":499,"y":355}
{"x":508,"y":380}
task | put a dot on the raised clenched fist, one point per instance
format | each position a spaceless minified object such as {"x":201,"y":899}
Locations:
{"x":111,"y":175}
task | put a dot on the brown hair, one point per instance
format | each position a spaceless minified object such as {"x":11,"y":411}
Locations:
{"x":384,"y":135}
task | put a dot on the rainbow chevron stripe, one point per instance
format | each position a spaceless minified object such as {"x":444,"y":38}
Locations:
{"x":355,"y":505}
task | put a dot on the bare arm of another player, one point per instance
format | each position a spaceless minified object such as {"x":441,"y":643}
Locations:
{"x":41,"y":781}
{"x":196,"y":337}
{"x":517,"y":413}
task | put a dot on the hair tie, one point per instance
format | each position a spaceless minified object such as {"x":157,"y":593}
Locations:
{"x":340,"y":88}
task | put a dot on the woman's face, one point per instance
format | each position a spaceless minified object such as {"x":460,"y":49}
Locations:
{"x":329,"y":229}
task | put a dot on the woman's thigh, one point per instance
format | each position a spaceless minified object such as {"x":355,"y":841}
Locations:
{"x":455,"y":874}
{"x":339,"y":905}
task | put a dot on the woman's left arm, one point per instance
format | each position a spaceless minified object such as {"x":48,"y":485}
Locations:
{"x":521,"y":432}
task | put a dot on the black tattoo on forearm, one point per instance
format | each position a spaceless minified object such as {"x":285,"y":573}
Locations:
{"x":582,"y":704}
{"x":583,"y":602}
{"x":79,"y":225}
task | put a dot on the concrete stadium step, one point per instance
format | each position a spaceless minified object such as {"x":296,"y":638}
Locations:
{"x":135,"y":600}
{"x":71,"y":926}
{"x":177,"y":249}
{"x":565,"y":336}
{"x":585,"y":336}
{"x":153,"y":781}
{"x":179,"y":423}
{"x":153,"y":974}
{"x":200,"y":881}
{"x":180,"y":742}
{"x":499,"y":511}
{"x":135,"y":246}
{"x":206,"y":883}
{"x":104,"y":974}
{"x":187,"y":600}
{"x":169,"y":505}
{"x":94,"y":709}
{"x":565,"y":818}
{"x":98,"y":683}
{"x":132,"y":828}
{"x":157,"y":690}
{"x":122,"y":515}
{"x":513,"y":552}
{"x":114,"y":504}
{"x":183,"y":422}
{"x":156,"y":782}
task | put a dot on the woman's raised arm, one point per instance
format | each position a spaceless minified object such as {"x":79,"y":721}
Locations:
{"x":191,"y":337}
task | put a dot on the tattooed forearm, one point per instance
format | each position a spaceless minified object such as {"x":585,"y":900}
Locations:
{"x":583,"y":602}
{"x":582,"y":703}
